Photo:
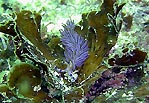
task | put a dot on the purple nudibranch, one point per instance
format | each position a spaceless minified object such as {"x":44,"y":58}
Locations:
{"x":76,"y":47}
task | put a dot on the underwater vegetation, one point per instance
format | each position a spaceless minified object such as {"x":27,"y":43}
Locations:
{"x":101,"y":58}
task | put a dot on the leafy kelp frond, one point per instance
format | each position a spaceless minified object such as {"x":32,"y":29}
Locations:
{"x":76,"y":47}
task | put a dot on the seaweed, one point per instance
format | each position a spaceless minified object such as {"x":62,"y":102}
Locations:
{"x":84,"y":62}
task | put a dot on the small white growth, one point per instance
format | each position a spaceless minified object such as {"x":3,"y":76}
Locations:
{"x":37,"y":88}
